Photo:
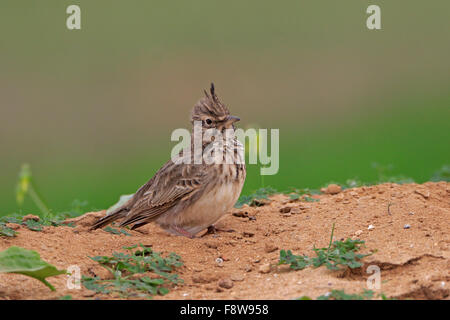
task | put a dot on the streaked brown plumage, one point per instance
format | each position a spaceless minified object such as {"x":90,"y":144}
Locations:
{"x":185,"y":199}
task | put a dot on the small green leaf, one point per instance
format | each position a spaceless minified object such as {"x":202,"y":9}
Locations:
{"x":11,"y":220}
{"x":33,"y":225}
{"x":111,"y":230}
{"x":442,"y":174}
{"x":341,"y":295}
{"x":125,"y":233}
{"x":137,"y":260}
{"x":253,"y":199}
{"x":155,"y":282}
{"x":29,"y":263}
{"x":131,"y":247}
{"x":116,"y":231}
{"x":337,"y":253}
{"x":309,"y":199}
{"x":163,"y":291}
{"x":6,"y":231}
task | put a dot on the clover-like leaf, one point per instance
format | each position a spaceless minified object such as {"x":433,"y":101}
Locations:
{"x":6,"y":231}
{"x":29,"y":263}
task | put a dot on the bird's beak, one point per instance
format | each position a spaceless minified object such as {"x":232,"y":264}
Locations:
{"x":231,"y":119}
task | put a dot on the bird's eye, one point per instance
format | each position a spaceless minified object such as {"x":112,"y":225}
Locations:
{"x":208,"y":121}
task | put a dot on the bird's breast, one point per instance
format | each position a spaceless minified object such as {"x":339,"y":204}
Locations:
{"x":209,"y":207}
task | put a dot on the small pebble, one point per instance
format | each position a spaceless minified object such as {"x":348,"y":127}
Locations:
{"x":332,"y":189}
{"x":237,"y":277}
{"x":248,"y":268}
{"x":240,"y":214}
{"x":270,"y":247}
{"x":211,"y":245}
{"x":30,"y":217}
{"x":89,"y":294}
{"x":226,"y":283}
{"x":219,"y":262}
{"x":265,"y":268}
{"x":13,"y":226}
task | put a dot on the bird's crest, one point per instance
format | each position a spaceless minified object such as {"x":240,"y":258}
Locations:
{"x":209,"y":106}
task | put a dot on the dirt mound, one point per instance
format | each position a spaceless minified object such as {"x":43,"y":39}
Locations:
{"x":408,"y":226}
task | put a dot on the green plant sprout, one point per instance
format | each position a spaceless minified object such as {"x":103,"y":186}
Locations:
{"x":338,"y":253}
{"x":125,"y":266}
{"x":252,"y":199}
{"x":116,"y":231}
{"x":383,"y":172}
{"x":442,"y":174}
{"x":25,"y":186}
{"x":341,"y":295}
{"x":6,"y":231}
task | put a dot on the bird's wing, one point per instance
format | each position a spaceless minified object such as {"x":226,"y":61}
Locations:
{"x":170,"y":184}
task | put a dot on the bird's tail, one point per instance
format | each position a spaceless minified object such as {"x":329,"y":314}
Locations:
{"x":109,"y":218}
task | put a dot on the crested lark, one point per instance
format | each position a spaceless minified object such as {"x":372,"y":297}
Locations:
{"x":184,"y":197}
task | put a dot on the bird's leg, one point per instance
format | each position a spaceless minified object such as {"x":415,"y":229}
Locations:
{"x":183,"y":232}
{"x":212,"y":229}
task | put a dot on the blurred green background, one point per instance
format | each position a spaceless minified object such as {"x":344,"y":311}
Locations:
{"x":92,"y":110}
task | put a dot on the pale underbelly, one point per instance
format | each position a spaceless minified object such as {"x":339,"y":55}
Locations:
{"x":207,"y":210}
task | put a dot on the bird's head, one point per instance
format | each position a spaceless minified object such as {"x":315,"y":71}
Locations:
{"x":212,"y":113}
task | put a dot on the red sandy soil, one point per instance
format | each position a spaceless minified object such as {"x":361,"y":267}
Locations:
{"x":414,"y":261}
